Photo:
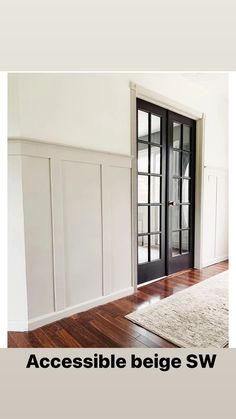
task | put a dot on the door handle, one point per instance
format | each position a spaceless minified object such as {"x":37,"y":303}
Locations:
{"x":172,"y":203}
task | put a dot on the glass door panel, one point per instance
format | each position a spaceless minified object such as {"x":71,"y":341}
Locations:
{"x":142,"y":125}
{"x":143,"y":157}
{"x":155,"y":218}
{"x":155,"y":129}
{"x":155,"y":159}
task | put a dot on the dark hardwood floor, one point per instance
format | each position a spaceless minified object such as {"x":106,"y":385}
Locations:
{"x":105,"y":326}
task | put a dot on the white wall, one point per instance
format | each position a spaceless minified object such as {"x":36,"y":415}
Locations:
{"x":86,"y":111}
{"x":93,"y":111}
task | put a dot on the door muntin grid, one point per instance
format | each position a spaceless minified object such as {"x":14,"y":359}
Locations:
{"x":149,"y":144}
{"x":181,"y":170}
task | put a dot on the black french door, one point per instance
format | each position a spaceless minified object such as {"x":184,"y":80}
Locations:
{"x":151,"y":156}
{"x":166,"y":189}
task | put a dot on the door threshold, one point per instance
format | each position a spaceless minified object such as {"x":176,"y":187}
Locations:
{"x":150,"y":282}
{"x":165,"y":276}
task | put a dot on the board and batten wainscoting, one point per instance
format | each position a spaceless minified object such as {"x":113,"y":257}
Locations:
{"x":215,"y":220}
{"x":69,"y":231}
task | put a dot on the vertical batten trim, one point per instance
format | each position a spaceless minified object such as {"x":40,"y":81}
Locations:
{"x":216,"y":216}
{"x":58,"y":234}
{"x":102,"y":233}
{"x":53,"y":239}
{"x":22,"y":204}
{"x":106,"y":228}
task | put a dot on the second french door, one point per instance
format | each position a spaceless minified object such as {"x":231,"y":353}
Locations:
{"x":166,"y":189}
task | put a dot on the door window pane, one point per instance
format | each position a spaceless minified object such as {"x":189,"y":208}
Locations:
{"x":185,"y":190}
{"x":142,"y":189}
{"x":155,"y":159}
{"x":185,"y":164}
{"x":142,"y":157}
{"x":142,"y":219}
{"x":155,"y":129}
{"x":185,"y":216}
{"x":155,"y":246}
{"x":142,"y":125}
{"x":175,"y":212}
{"x":186,"y":137}
{"x":142,"y":249}
{"x":176,"y":190}
{"x":155,"y":218}
{"x":176,"y":163}
{"x":175,"y":244}
{"x":185,"y":241}
{"x":176,"y":134}
{"x":155,"y":189}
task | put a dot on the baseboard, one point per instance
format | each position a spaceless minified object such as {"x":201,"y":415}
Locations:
{"x":69,"y":311}
{"x":150,"y":282}
{"x":214,"y":260}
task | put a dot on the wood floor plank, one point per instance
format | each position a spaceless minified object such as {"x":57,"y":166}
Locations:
{"x":44,"y":339}
{"x":121,"y":339}
{"x":82,"y":333}
{"x":152,"y":342}
{"x":105,"y":326}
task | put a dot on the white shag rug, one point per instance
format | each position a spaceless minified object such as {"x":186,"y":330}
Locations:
{"x":196,"y":317}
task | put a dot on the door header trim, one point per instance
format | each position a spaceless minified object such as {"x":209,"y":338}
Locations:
{"x":165,"y":102}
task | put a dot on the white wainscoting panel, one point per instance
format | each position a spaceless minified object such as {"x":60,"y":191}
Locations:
{"x":82,"y":231}
{"x":215,"y":225}
{"x":116,"y":192}
{"x":221,"y":245}
{"x":75,"y":221}
{"x":38,"y":235}
{"x":17,"y":290}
